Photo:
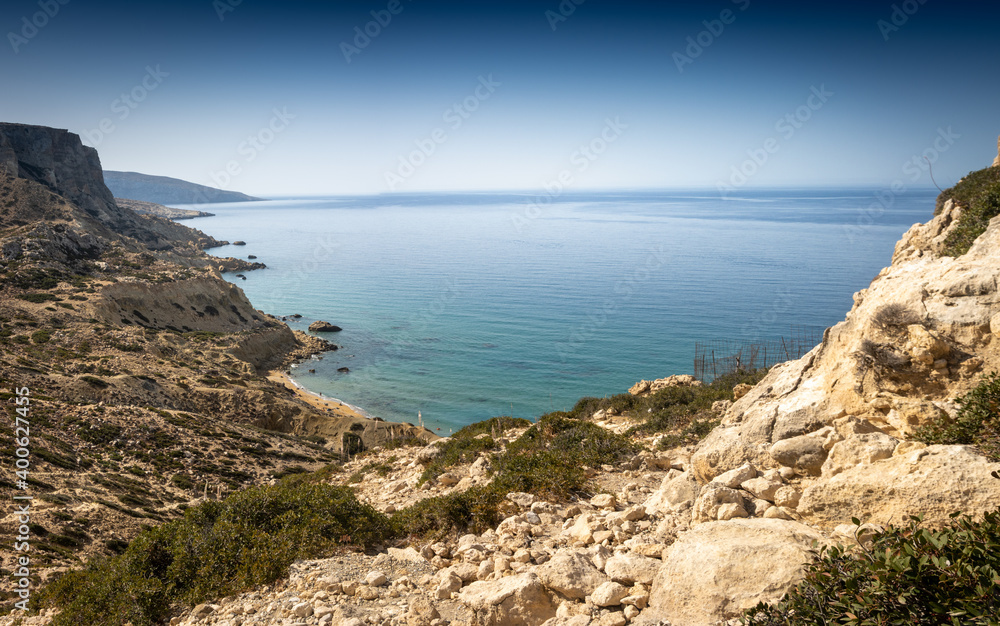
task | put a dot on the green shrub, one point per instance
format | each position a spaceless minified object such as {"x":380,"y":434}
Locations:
{"x":908,"y":575}
{"x":968,"y":188}
{"x":977,"y":423}
{"x":216,"y":549}
{"x":41,"y":336}
{"x":469,"y":442}
{"x":547,"y":460}
{"x":979,"y":196}
{"x":100,"y":434}
{"x":685,"y":412}
{"x":182,"y":481}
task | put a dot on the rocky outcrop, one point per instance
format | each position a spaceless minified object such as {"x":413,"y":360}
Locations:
{"x":58,"y":160}
{"x":198,"y":304}
{"x":513,"y":601}
{"x":996,"y":161}
{"x":324,"y":327}
{"x":715,"y":571}
{"x":152,"y":208}
{"x":916,"y":338}
{"x":647,"y":387}
{"x":933,"y":481}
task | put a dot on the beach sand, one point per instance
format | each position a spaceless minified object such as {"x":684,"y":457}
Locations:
{"x":327,"y":405}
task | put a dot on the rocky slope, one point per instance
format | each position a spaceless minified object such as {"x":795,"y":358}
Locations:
{"x":147,"y":371}
{"x":152,"y":208}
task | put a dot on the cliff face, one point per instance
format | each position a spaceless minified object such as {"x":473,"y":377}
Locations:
{"x":58,"y":162}
{"x":920,"y":335}
{"x":198,"y":304}
{"x":57,"y":159}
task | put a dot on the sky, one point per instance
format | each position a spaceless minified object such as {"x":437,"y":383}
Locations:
{"x":308,"y":98}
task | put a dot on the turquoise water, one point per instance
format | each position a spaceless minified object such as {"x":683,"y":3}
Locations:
{"x":463,"y":307}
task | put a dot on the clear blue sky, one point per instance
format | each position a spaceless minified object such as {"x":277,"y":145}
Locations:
{"x":534,"y":82}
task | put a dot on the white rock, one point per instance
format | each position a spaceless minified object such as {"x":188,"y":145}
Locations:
{"x":609,"y":594}
{"x":631,"y":568}
{"x":518,"y":600}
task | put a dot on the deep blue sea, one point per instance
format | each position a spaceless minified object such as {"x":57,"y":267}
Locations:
{"x":467,"y":306}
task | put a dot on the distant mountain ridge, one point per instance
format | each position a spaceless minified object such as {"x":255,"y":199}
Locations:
{"x":165,"y":190}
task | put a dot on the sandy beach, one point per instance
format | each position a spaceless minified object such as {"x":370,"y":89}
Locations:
{"x":327,"y":405}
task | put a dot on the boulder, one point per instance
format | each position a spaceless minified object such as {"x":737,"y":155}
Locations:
{"x":421,"y":613}
{"x":674,"y":495}
{"x":646,"y":387}
{"x":735,"y":477}
{"x":603,"y":501}
{"x":609,"y":594}
{"x":804,"y":454}
{"x":324,"y":327}
{"x":933,"y":481}
{"x":924,"y":346}
{"x":518,"y":600}
{"x":762,"y":488}
{"x":571,"y":574}
{"x":741,"y":390}
{"x":711,"y":500}
{"x":856,"y":450}
{"x":715,"y":571}
{"x":631,"y":568}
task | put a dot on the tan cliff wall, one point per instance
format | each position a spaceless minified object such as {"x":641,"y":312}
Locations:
{"x":198,"y":304}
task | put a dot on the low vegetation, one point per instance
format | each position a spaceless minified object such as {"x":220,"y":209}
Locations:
{"x":907,"y":575}
{"x":217,"y":548}
{"x":979,"y":196}
{"x":549,"y":460}
{"x":977,"y":423}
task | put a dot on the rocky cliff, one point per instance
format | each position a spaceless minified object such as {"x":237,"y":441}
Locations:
{"x":145,"y":369}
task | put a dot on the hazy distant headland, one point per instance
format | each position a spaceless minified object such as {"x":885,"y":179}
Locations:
{"x":165,"y":190}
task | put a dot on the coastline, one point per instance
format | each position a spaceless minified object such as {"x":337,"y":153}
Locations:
{"x":331,"y":406}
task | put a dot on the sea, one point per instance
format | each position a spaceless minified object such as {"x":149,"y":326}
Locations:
{"x":464,"y":306}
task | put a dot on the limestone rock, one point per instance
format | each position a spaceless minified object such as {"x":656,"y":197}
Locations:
{"x":712,"y":499}
{"x":609,"y":594}
{"x":631,"y":568}
{"x":996,"y":161}
{"x":421,"y":613}
{"x":934,"y":481}
{"x":575,"y":620}
{"x":518,"y":600}
{"x":762,"y":488}
{"x":570,"y":573}
{"x":924,"y":346}
{"x":858,"y":450}
{"x":908,"y":414}
{"x":603,"y":501}
{"x":787,"y":496}
{"x":646,"y":387}
{"x":734,"y":478}
{"x":715,"y":571}
{"x":747,"y":429}
{"x":674,"y":495}
{"x":741,"y":390}
{"x":805,"y":454}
